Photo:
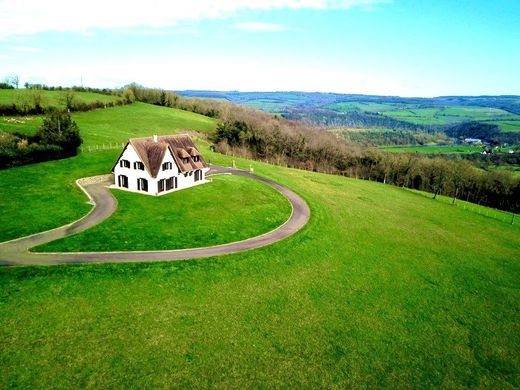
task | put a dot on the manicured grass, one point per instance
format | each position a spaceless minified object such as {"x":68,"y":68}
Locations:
{"x":118,"y":124}
{"x":383,"y":288}
{"x":39,"y":197}
{"x":196,"y":217}
{"x":54,"y":98}
{"x":433,"y":149}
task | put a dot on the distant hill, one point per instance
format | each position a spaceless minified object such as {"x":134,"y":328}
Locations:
{"x":332,"y":110}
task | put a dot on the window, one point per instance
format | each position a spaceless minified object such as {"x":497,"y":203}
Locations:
{"x":139,"y":165}
{"x":122,"y":181}
{"x":185,"y":160}
{"x":196,"y":158}
{"x":160,"y":185}
{"x":166,"y":166}
{"x":142,"y":184}
{"x":198,"y":175}
{"x":124,"y":164}
{"x":171,"y":183}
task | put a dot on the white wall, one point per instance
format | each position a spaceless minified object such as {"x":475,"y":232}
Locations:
{"x":132,"y":174}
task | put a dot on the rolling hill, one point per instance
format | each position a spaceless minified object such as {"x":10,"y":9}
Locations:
{"x":384,"y":287}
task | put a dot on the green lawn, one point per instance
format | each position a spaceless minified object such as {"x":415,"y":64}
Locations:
{"x":196,"y":217}
{"x":118,"y":124}
{"x":433,"y":149}
{"x":44,"y":196}
{"x":54,"y":98}
{"x":384,"y":287}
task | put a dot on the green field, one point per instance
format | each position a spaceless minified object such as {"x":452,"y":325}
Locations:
{"x":447,"y":115}
{"x":202,"y":216}
{"x":384,"y":287}
{"x":433,"y":149}
{"x":364,"y":106}
{"x":53,"y":98}
{"x":118,"y":124}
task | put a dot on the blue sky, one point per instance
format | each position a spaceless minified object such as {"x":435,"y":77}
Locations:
{"x":387,"y":47}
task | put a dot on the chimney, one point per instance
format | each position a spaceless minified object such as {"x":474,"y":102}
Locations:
{"x":155,"y":139}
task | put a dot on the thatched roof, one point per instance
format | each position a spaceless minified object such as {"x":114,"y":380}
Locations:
{"x":180,"y":146}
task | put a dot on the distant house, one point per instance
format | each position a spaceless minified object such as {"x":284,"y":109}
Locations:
{"x":159,"y":165}
{"x":473,"y":141}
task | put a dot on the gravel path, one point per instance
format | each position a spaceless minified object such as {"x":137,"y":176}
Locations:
{"x":15,"y":252}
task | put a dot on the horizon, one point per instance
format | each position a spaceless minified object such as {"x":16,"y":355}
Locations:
{"x":358,"y":47}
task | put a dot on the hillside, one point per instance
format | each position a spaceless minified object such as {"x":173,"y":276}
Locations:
{"x":390,"y":112}
{"x":117,"y":124}
{"x":54,"y":98}
{"x":384,"y":287}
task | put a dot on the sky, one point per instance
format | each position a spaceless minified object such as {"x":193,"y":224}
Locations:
{"x":384,"y":47}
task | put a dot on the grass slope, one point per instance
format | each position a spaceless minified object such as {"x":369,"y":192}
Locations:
{"x":201,"y":216}
{"x":384,"y":287}
{"x":43,"y":196}
{"x":117,"y":124}
{"x":54,"y":98}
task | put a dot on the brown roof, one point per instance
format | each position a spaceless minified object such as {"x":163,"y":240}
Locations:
{"x":180,"y":146}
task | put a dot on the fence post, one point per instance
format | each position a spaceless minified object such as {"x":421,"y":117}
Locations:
{"x":513,"y":218}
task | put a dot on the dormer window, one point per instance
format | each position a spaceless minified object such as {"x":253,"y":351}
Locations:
{"x":166,"y":166}
{"x":139,"y":165}
{"x":196,"y":158}
{"x":124,"y":164}
{"x":185,"y":160}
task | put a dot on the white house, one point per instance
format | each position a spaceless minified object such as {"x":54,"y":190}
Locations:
{"x":159,"y":165}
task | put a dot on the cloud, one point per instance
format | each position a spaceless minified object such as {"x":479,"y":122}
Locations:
{"x":261,"y":27}
{"x":27,"y":49}
{"x":35,"y":16}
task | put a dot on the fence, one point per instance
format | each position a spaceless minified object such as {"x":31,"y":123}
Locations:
{"x":107,"y":146}
{"x":500,"y":215}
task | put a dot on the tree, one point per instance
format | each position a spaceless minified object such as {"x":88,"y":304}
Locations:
{"x":58,"y":128}
{"x":68,"y":99}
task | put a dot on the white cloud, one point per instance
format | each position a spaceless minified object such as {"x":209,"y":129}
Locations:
{"x":261,"y":27}
{"x":27,"y":49}
{"x":35,"y":16}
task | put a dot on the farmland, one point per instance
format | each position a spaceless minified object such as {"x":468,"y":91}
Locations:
{"x":383,"y":287}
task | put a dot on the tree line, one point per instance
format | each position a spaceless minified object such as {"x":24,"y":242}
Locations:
{"x":259,"y":135}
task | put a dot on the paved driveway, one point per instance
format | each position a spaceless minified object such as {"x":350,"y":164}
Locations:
{"x":16,"y":252}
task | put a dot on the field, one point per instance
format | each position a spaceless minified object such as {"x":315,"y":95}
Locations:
{"x":202,"y":216}
{"x":384,"y":287}
{"x":118,"y":124}
{"x":53,"y":98}
{"x":447,"y":115}
{"x":433,"y":149}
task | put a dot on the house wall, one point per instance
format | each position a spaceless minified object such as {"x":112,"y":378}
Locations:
{"x":133,"y":174}
{"x":183,"y":181}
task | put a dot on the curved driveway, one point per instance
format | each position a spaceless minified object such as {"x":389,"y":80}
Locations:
{"x":15,"y":252}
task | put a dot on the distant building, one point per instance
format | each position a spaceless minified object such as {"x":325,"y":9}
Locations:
{"x":159,"y":165}
{"x":473,"y":141}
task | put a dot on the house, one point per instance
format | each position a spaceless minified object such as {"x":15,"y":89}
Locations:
{"x":473,"y":141}
{"x":159,"y":165}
